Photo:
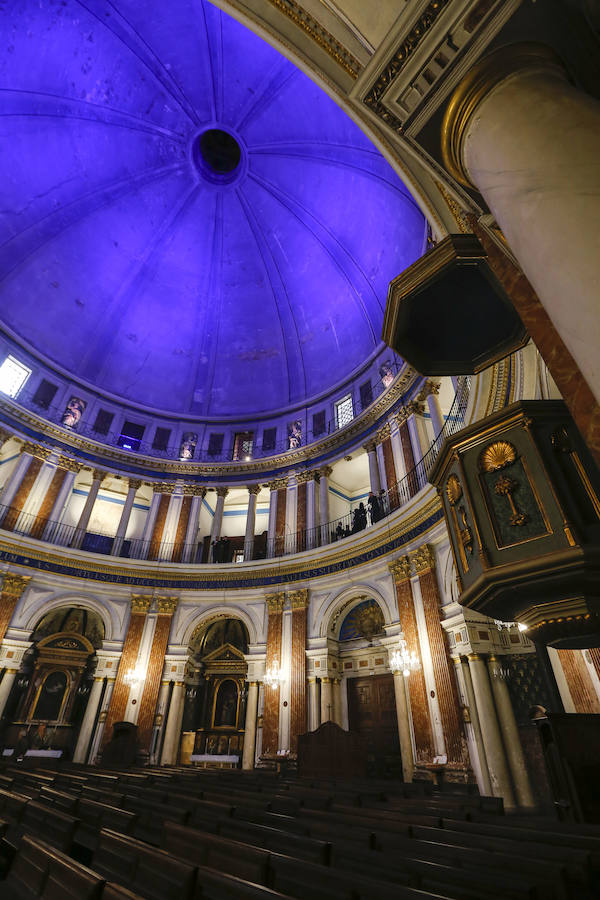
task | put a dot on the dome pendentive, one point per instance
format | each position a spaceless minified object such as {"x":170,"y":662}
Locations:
{"x":190,"y":223}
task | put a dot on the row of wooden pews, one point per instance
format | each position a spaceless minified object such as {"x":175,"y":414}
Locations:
{"x":72,"y":831}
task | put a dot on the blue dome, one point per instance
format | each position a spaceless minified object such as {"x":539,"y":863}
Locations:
{"x":188,"y":222}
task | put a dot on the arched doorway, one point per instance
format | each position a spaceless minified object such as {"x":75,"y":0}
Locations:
{"x":370,"y":685}
{"x":215,"y":701}
{"x":48,"y":701}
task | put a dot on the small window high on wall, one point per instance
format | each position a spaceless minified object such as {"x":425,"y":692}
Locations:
{"x":243,"y":444}
{"x":344,"y":411}
{"x":13,"y":375}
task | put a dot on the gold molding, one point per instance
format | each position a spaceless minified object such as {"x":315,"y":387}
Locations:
{"x":320,"y":36}
{"x":479,"y":81}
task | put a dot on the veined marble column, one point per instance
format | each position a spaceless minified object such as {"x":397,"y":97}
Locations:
{"x":299,"y":603}
{"x":217,"y":522}
{"x":490,"y":731}
{"x":166,"y":607}
{"x":512,"y":741}
{"x":419,"y":707}
{"x":143,"y":545}
{"x":253,"y":492}
{"x":97,"y":477}
{"x":50,"y":516}
{"x":140,"y":604}
{"x":15,"y":478}
{"x":190,"y":549}
{"x":374,"y":479}
{"x":270,"y":737}
{"x":89,"y":719}
{"x":248,"y":753}
{"x":324,"y":473}
{"x":327,"y":713}
{"x":311,"y":512}
{"x":13,"y":588}
{"x":527,"y":139}
{"x":314,"y":708}
{"x":406,"y":749}
{"x":170,"y":750}
{"x":125,"y":516}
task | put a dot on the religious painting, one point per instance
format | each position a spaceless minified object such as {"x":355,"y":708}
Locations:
{"x":73,"y":412}
{"x":51,"y":696}
{"x":386,"y":373}
{"x":294,"y":434}
{"x":226,"y":705}
{"x":363,"y":621}
{"x":187,"y":447}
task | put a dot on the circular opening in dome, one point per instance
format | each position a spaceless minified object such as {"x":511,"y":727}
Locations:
{"x":217,"y":152}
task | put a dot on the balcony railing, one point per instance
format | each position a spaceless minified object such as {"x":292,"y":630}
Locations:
{"x":64,"y":535}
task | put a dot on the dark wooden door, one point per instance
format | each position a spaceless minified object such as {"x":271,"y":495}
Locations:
{"x":372,"y":712}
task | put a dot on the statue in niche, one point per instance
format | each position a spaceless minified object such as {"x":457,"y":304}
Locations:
{"x":226,"y":706}
{"x":386,"y":373}
{"x":187,"y":447}
{"x":294,"y":435}
{"x":73,"y":412}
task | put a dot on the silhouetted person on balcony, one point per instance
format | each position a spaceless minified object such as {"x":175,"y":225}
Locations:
{"x":374,"y":508}
{"x":339,"y":532}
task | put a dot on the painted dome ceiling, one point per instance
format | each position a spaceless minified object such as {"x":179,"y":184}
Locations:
{"x":186,"y":220}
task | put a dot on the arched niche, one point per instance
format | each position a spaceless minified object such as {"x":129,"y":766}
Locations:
{"x":48,"y":700}
{"x":214,"y":710}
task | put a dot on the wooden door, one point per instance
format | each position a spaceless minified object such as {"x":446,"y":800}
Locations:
{"x":372,"y":712}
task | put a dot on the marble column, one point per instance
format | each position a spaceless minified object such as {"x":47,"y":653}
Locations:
{"x":299,"y":603}
{"x":512,"y":740}
{"x":527,"y":139}
{"x":125,"y":516}
{"x":6,"y":687}
{"x":170,"y":750}
{"x":142,"y":547}
{"x":337,"y":700}
{"x":217,"y":522}
{"x":324,"y":473}
{"x":270,"y":736}
{"x":406,"y":748}
{"x":314,"y":709}
{"x":272,"y":526}
{"x":486,"y":786}
{"x":53,"y":529}
{"x":374,"y":479}
{"x":5,"y":436}
{"x":190,"y":549}
{"x":166,"y":607}
{"x":97,"y":477}
{"x":253,"y":492}
{"x":248,"y":754}
{"x":15,"y":478}
{"x":430,"y":393}
{"x":311,"y":512}
{"x":87,"y":726}
{"x":327,"y":713}
{"x":381,"y":467}
{"x":418,"y":450}
{"x":490,"y":731}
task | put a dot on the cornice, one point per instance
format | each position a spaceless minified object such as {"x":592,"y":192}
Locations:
{"x":360,"y":550}
{"x":124,"y":461}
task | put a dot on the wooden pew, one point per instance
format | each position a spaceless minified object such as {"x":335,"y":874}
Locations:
{"x":42,"y":871}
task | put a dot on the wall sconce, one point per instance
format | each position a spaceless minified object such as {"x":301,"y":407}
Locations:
{"x":134,"y":677}
{"x":273,"y":677}
{"x":404,"y":661}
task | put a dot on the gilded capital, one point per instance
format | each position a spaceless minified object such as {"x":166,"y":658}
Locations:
{"x":167,"y":605}
{"x":325,"y":471}
{"x":254,"y":488}
{"x":28,"y":447}
{"x":14,"y":585}
{"x":140,"y":603}
{"x":371,"y":447}
{"x":429,"y":387}
{"x":166,"y":487}
{"x":302,"y":477}
{"x":71,"y":465}
{"x":98,"y":475}
{"x":382,"y":433}
{"x":134,"y":484}
{"x":275,"y":602}
{"x":400,"y":569}
{"x":298,"y":599}
{"x":278,"y":484}
{"x":194,"y":490}
{"x":423,"y":559}
{"x":222,"y":491}
{"x":415,"y":408}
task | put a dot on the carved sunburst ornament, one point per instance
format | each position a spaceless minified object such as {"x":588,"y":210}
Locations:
{"x":453,"y":489}
{"x":497,"y":456}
